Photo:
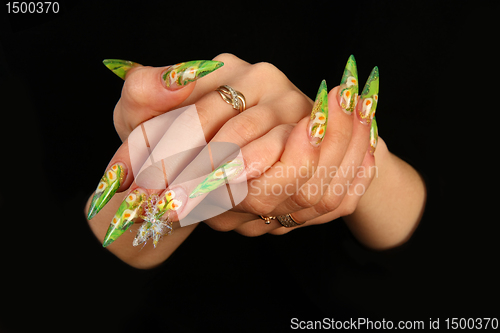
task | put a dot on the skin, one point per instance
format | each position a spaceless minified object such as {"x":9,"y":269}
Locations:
{"x":377,"y":221}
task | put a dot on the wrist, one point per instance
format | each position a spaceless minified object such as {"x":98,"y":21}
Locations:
{"x":391,"y":208}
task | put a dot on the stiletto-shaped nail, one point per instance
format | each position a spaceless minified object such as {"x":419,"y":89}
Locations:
{"x":373,"y":135}
{"x":157,"y":215}
{"x":319,"y":116}
{"x":129,"y":210}
{"x":120,"y":67}
{"x":369,"y":98}
{"x":217,"y":178}
{"x":106,"y":188}
{"x":349,"y":87}
{"x":177,"y":76}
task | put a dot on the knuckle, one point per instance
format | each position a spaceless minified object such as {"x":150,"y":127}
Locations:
{"x":243,"y":128}
{"x":340,"y":136}
{"x":295,"y":97}
{"x":226,"y":57}
{"x":230,"y":60}
{"x":295,"y":100}
{"x":284,"y":129}
{"x":222,"y":225}
{"x":268,"y":71}
{"x":304,"y":199}
{"x":250,"y":230}
{"x":327,"y":204}
{"x":348,"y":208}
{"x":282,"y":132}
{"x":256,"y":206}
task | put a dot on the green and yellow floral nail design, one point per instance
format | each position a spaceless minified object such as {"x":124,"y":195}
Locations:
{"x":120,"y":67}
{"x":373,"y":135}
{"x":156,"y":215}
{"x":369,"y":98}
{"x":349,"y":87}
{"x":177,"y":76}
{"x":106,"y":188}
{"x":319,"y":116}
{"x":129,"y":210}
{"x":226,"y":172}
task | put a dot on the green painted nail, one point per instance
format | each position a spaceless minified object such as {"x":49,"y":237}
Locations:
{"x":177,"y":76}
{"x":226,"y":172}
{"x":319,"y":116}
{"x":120,"y":67}
{"x":106,"y":188}
{"x":369,"y":98}
{"x":349,"y":87}
{"x":129,"y":210}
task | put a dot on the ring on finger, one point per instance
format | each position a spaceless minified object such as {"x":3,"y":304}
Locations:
{"x":233,"y":97}
{"x":267,"y":219}
{"x":288,"y":221}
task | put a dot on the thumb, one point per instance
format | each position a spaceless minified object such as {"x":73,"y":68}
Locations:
{"x":151,"y":91}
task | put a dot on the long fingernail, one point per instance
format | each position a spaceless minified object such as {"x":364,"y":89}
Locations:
{"x":217,"y":178}
{"x":120,"y":67}
{"x":177,"y":76}
{"x":157,"y":215}
{"x":106,"y":188}
{"x":373,"y":136}
{"x":349,"y":87}
{"x":319,"y":116}
{"x":129,"y":210}
{"x":369,"y":98}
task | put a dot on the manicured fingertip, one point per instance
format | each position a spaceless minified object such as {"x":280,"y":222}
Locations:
{"x":107,"y":187}
{"x":368,"y":100}
{"x":319,"y":116}
{"x":129,"y":210}
{"x":349,"y":87}
{"x":180,"y":75}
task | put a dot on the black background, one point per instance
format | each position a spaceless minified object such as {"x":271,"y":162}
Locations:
{"x":438,"y":96}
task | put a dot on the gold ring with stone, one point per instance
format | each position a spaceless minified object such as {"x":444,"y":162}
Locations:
{"x":288,"y":221}
{"x":267,"y":218}
{"x":233,"y":97}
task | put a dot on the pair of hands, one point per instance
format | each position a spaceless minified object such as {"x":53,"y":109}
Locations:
{"x":273,"y":136}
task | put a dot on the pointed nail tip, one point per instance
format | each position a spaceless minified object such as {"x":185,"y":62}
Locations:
{"x":91,"y":213}
{"x":109,"y":62}
{"x":216,"y":64}
{"x":323,"y":85}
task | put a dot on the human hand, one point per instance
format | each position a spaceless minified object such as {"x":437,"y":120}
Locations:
{"x":270,"y":102}
{"x":335,"y":177}
{"x":271,"y":138}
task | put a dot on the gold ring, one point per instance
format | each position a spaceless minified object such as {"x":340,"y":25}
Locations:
{"x":233,"y":97}
{"x":267,"y":218}
{"x":288,"y":221}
